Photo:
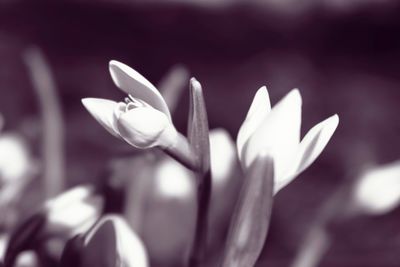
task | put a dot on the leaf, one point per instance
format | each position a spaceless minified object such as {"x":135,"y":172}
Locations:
{"x":198,"y":135}
{"x":250,"y":221}
{"x":198,"y":131}
{"x":24,"y":237}
{"x":71,"y":255}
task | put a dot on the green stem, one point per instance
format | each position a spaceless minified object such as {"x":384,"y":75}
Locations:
{"x":198,"y":249}
{"x":53,"y":127}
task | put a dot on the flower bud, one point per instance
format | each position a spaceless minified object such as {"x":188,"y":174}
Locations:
{"x":112,"y":243}
{"x":145,"y":127}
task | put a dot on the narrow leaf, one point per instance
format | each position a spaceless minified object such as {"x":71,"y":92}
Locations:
{"x":198,"y":135}
{"x":24,"y":237}
{"x":198,"y":131}
{"x":250,"y":221}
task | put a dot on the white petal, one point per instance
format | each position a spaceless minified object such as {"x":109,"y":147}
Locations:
{"x":278,"y":134}
{"x":15,"y":159}
{"x":134,"y":84}
{"x":73,"y":195}
{"x":145,"y":127}
{"x":173,"y":180}
{"x":27,"y":259}
{"x":309,"y":149}
{"x":103,"y":111}
{"x":222,"y":155}
{"x":258,"y":110}
{"x":73,"y":209}
{"x":113,"y":243}
{"x":314,"y":142}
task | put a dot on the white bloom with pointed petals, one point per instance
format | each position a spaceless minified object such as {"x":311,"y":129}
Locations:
{"x":277,"y":131}
{"x":143,"y":120}
{"x":378,"y":189}
{"x":113,"y":243}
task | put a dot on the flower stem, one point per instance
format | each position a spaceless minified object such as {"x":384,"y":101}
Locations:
{"x":183,"y":153}
{"x":198,"y":248}
{"x":53,"y":127}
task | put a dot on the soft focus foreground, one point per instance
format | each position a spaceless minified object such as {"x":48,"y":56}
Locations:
{"x":163,"y":189}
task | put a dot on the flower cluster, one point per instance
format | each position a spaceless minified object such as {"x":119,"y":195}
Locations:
{"x":215,"y":182}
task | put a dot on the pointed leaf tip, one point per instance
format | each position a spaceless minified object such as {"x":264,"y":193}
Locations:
{"x":122,"y":246}
{"x":198,"y":130}
{"x":195,"y":83}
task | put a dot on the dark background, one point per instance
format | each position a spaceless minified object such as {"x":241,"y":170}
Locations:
{"x":344,"y":59}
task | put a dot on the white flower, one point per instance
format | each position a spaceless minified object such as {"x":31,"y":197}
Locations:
{"x":15,"y":162}
{"x":222,"y":156}
{"x":113,"y":243}
{"x":74,"y":211}
{"x":143,"y":120}
{"x":277,"y":131}
{"x":378,"y":189}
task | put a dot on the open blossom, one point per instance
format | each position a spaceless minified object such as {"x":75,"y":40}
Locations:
{"x":113,"y":243}
{"x":143,"y":120}
{"x":378,"y":189}
{"x":277,"y":132}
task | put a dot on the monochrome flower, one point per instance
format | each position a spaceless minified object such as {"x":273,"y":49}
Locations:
{"x":143,"y":120}
{"x":377,"y":191}
{"x":277,"y":132}
{"x":73,"y":211}
{"x":113,"y":243}
{"x":15,"y":159}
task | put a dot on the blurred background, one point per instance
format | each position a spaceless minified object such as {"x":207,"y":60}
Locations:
{"x":343,"y":55}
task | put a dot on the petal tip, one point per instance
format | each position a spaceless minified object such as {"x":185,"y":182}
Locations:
{"x":262,"y":92}
{"x":88,"y":102}
{"x":333,"y":121}
{"x":295,"y":94}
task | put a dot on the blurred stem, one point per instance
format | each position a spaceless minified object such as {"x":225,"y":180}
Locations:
{"x":172,"y":85}
{"x":52,"y":120}
{"x":317,"y":241}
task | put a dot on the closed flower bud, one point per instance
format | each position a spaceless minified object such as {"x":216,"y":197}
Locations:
{"x":144,"y":126}
{"x":112,"y":243}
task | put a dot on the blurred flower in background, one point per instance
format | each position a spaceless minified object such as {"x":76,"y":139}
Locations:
{"x":377,"y":190}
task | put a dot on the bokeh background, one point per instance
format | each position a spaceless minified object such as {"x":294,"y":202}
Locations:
{"x":344,"y":56}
